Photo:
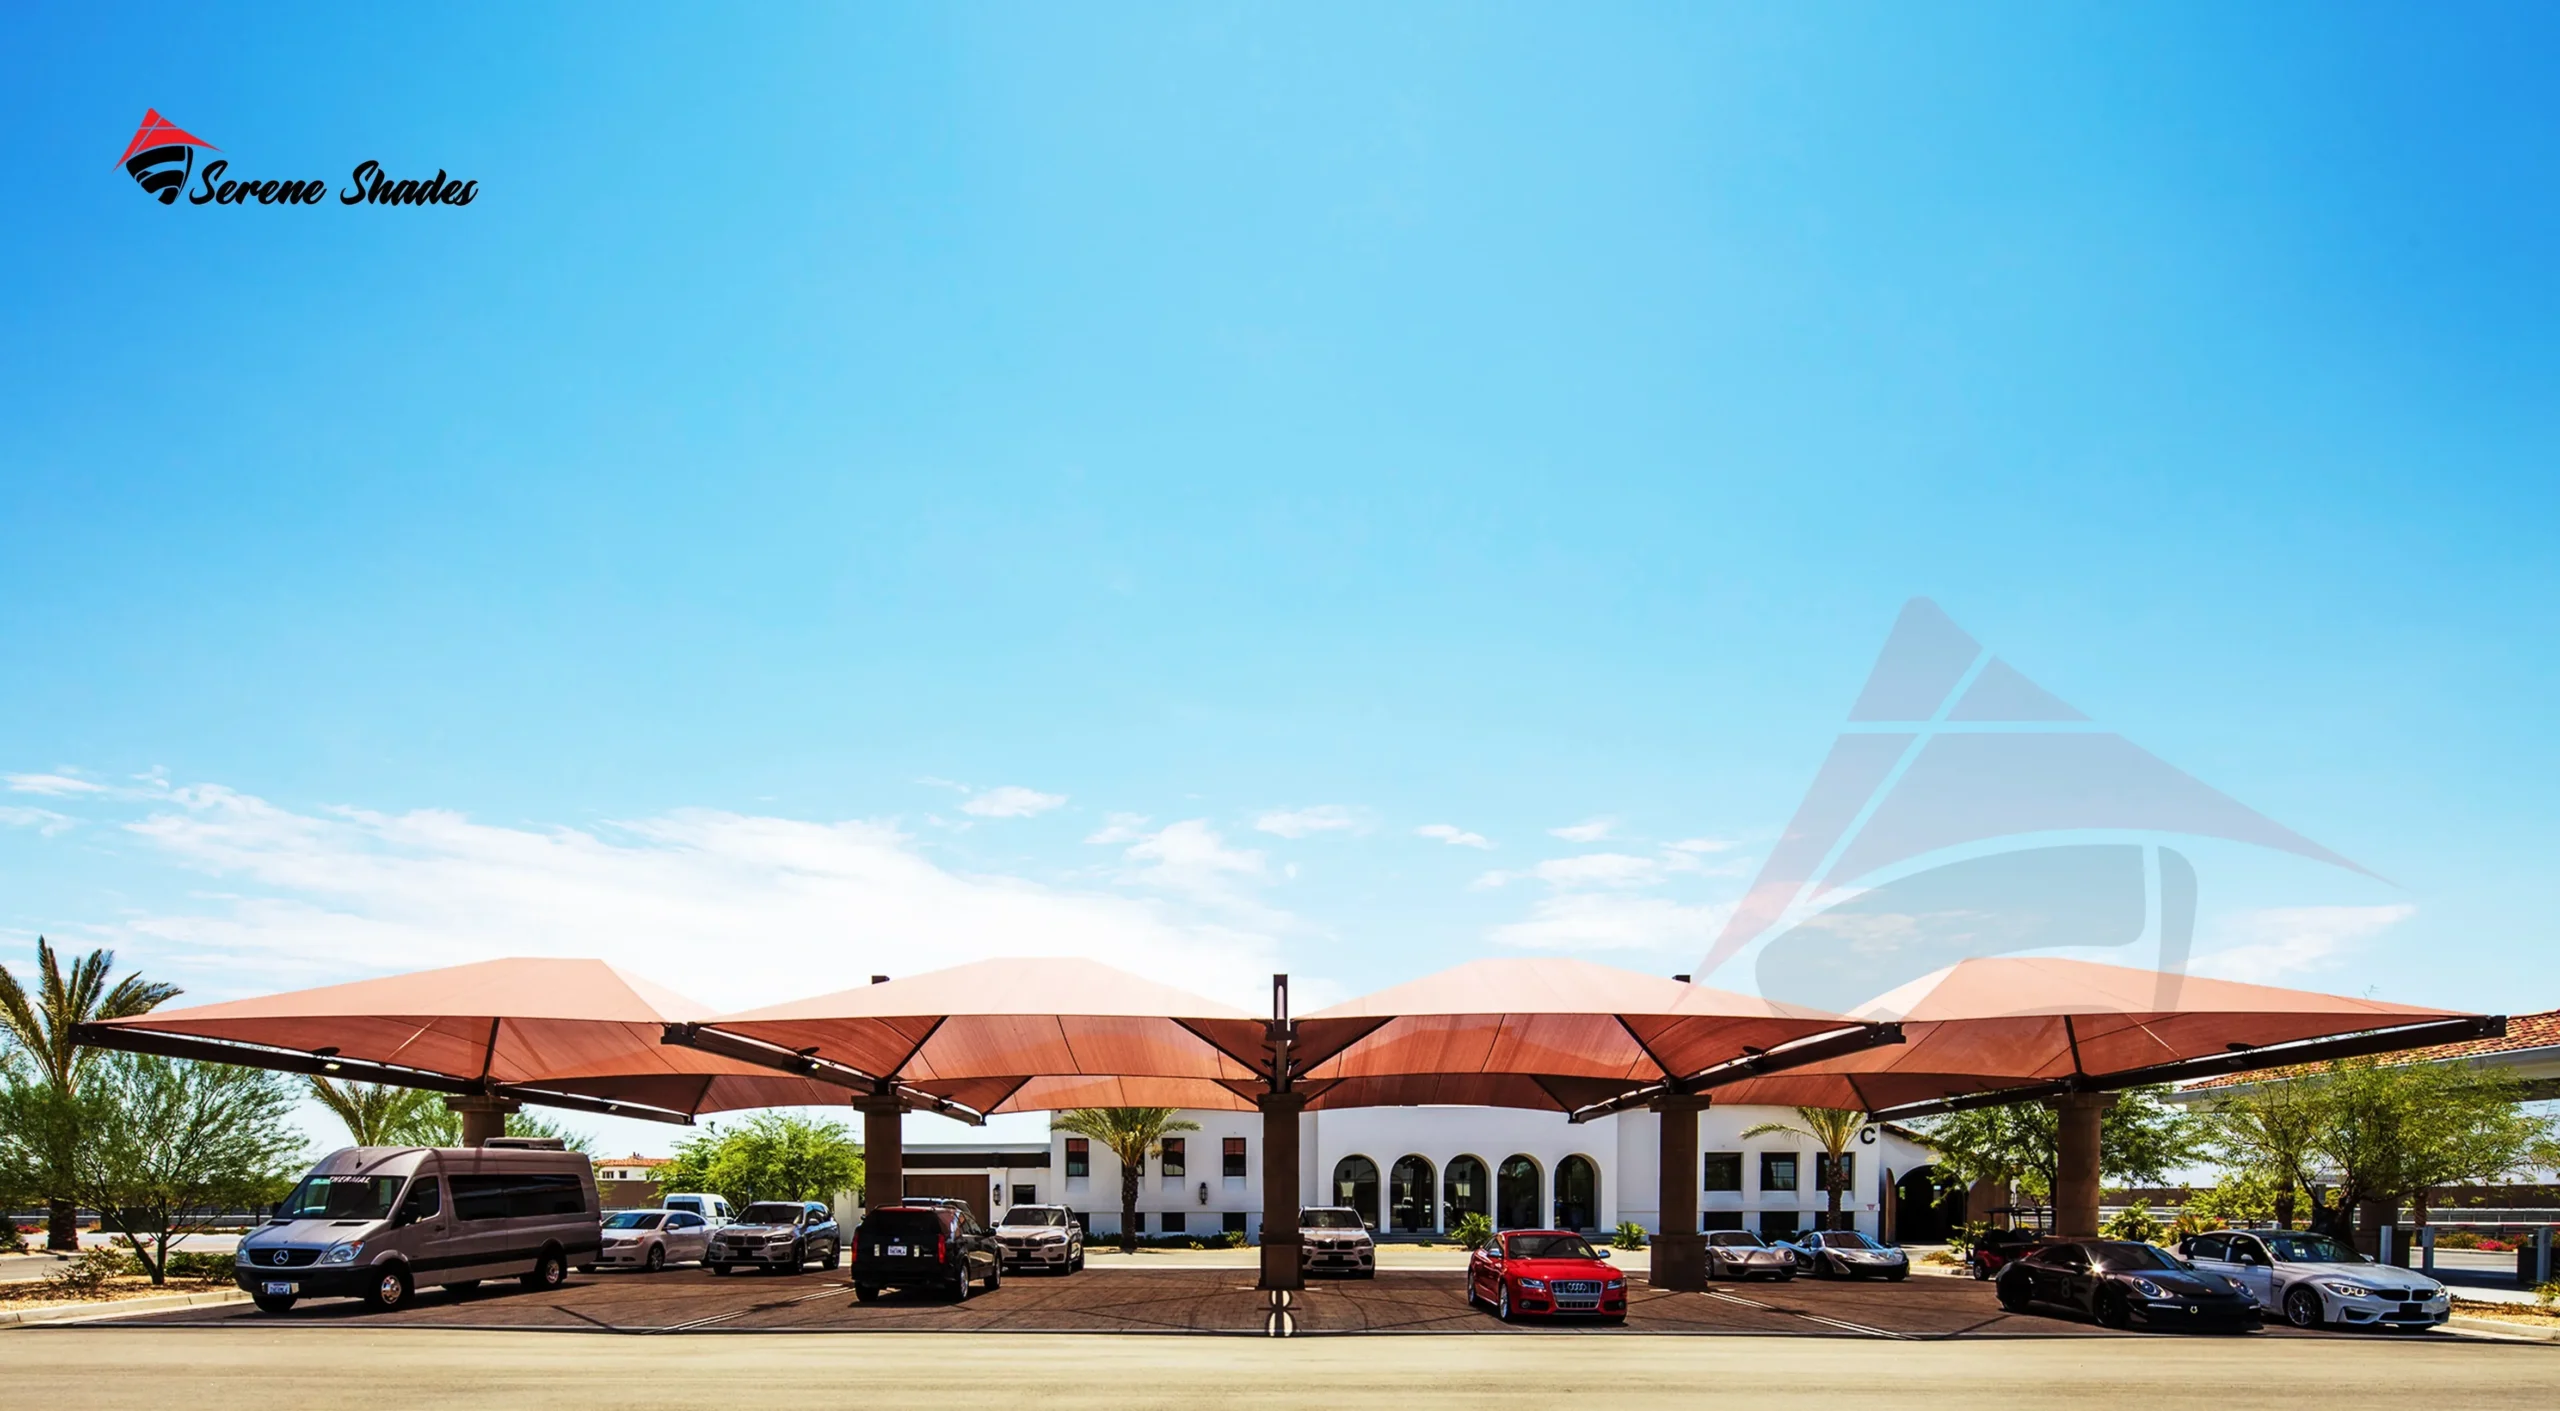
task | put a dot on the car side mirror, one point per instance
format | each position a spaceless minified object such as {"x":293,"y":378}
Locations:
{"x":1608,"y":1254}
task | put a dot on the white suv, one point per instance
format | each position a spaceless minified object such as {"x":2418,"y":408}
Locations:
{"x":2314,"y":1280}
{"x":1041,"y":1236}
{"x":1335,"y":1237}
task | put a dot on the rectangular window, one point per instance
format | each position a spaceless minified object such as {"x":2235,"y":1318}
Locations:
{"x":1231,"y":1153}
{"x":1720,"y":1220}
{"x":422,"y":1201}
{"x":1141,"y":1227}
{"x":1026,"y":1195}
{"x":1724,"y":1170}
{"x":1176,"y":1222}
{"x":1848,"y":1174}
{"x":516,"y":1197}
{"x":1079,"y":1158}
{"x":1777,"y":1170}
{"x":1169,"y":1155}
{"x":1777,"y":1224}
{"x":1232,"y":1222}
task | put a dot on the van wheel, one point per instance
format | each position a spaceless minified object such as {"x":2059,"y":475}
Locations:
{"x":272,"y":1302}
{"x":549,"y":1272}
{"x":389,"y":1289}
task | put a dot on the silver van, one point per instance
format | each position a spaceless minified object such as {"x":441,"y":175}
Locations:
{"x":374,"y":1222}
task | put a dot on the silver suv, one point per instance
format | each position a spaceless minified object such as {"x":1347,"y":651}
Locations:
{"x":1334,"y":1237}
{"x":778,"y":1235}
{"x":1041,"y":1237}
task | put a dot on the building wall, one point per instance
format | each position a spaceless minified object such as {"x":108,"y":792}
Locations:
{"x":1203,"y":1196}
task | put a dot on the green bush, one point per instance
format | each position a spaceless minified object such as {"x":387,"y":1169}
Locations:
{"x":11,"y":1242}
{"x":1232,"y":1239}
{"x":2547,"y":1294}
{"x":200,"y":1267}
{"x":1630,"y":1235}
{"x":87,"y":1273}
{"x":2134,"y":1222}
{"x":1474,"y":1231}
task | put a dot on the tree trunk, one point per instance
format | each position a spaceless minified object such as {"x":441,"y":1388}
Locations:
{"x":1834,"y":1183}
{"x":62,"y":1227}
{"x":1128,"y":1208}
{"x":2284,"y":1207}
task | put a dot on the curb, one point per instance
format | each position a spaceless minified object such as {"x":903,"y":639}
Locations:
{"x":118,"y":1308}
{"x":2523,"y":1332}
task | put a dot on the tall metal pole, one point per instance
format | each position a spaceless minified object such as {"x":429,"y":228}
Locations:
{"x":1282,"y":1274}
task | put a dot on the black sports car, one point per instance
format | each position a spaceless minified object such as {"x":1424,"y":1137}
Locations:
{"x":2124,"y":1284}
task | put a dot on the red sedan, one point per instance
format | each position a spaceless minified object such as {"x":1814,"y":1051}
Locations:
{"x":1546,"y":1274}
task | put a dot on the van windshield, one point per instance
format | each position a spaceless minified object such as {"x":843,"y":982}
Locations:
{"x":342,"y":1198}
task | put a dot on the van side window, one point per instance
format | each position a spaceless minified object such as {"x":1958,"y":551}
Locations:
{"x":517,"y":1196}
{"x":424,"y":1201}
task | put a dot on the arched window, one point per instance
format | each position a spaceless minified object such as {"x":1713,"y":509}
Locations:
{"x":1577,"y":1194}
{"x":1466,"y":1189}
{"x":1515,"y":1194}
{"x":1355,"y":1183}
{"x":1409,"y":1202}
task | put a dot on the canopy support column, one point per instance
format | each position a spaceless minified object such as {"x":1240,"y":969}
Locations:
{"x":482,"y":1117}
{"x":884,"y":1154}
{"x":2075,"y":1185}
{"x":1679,"y":1251}
{"x":1280,"y":1265}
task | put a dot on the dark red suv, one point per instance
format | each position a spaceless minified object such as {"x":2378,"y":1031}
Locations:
{"x":1546,"y":1274}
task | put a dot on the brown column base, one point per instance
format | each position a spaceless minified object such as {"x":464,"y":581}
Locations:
{"x":1281,"y":1267}
{"x":1680,"y":1263}
{"x":482,"y":1117}
{"x":884,"y":1153}
{"x":1679,"y":1251}
{"x":2075,"y":1194}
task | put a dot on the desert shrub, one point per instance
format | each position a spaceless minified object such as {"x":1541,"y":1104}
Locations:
{"x":2134,"y":1222}
{"x":201,"y":1267}
{"x":1232,"y":1239}
{"x":1474,"y":1231}
{"x":2547,"y":1294}
{"x":1630,"y":1235}
{"x":87,"y":1273}
{"x":12,"y":1241}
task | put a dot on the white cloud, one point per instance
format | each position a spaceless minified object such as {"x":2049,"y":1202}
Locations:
{"x":1699,"y":845}
{"x":1189,"y":857}
{"x":55,"y":785}
{"x":1594,"y":869}
{"x":1582,"y":921}
{"x":1119,"y":828}
{"x":1299,"y":822}
{"x":43,"y":820}
{"x":1453,"y":835}
{"x":1011,"y":801}
{"x":2276,"y":944}
{"x":735,"y":909}
{"x":1590,"y":830}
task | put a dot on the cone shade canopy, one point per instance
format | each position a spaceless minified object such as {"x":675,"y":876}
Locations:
{"x":2023,"y":1022}
{"x":1025,"y":1034}
{"x":578,"y":1027}
{"x":1533,"y":1032}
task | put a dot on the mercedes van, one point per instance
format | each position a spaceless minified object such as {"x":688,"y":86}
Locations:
{"x":374,"y":1222}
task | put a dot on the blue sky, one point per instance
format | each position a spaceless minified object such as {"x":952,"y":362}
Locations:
{"x":1266,"y":431}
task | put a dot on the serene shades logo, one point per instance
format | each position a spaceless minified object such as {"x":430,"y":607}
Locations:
{"x":162,"y":158}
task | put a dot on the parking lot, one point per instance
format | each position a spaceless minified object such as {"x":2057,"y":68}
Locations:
{"x":1175,"y":1300}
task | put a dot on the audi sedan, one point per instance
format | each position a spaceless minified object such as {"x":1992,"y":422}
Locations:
{"x":1546,"y":1274}
{"x":2125,"y":1284}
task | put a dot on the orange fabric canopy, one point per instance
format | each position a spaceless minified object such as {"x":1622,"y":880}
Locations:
{"x":1026,"y":1034}
{"x":2002,"y":1022}
{"x":571,"y":1026}
{"x":1533,"y":1032}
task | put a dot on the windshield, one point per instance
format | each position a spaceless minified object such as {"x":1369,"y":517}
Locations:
{"x":634,"y":1219}
{"x":342,"y":1198}
{"x":685,"y":1203}
{"x":770,"y":1213}
{"x":1736,"y":1239}
{"x":1329,"y":1220}
{"x":2311,"y":1249}
{"x":1035,"y":1215}
{"x":1552,"y":1247}
{"x":1848,"y":1239}
{"x":2134,"y":1258}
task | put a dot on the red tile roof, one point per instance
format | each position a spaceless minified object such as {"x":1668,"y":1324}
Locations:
{"x":2524,"y":1031}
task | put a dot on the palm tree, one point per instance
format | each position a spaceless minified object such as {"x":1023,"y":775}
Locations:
{"x":1833,"y":1129}
{"x":1132,"y":1134}
{"x":40,"y":1026}
{"x":379,"y":1114}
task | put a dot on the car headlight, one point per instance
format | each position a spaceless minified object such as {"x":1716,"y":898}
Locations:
{"x":2149,"y":1289}
{"x":342,"y":1253}
{"x":1053,"y":1238}
{"x":1534,"y":1285}
{"x":2347,"y":1290}
{"x":1617,"y":1284}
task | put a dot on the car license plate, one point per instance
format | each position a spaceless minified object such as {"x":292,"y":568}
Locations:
{"x":272,"y":1287}
{"x":897,"y":1251}
{"x":2413,"y":1308}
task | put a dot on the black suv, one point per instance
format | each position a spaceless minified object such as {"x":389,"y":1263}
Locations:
{"x":924,"y":1246}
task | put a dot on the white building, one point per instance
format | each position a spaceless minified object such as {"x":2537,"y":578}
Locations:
{"x":1418,"y":1170}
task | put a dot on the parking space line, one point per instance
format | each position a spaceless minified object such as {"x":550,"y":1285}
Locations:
{"x":1839,"y":1323}
{"x":829,"y":1291}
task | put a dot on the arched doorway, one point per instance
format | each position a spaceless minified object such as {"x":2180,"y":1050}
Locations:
{"x":1577,"y":1194}
{"x":1355,"y":1183}
{"x":1515,"y":1194}
{"x":1924,"y":1214}
{"x":1466,"y":1189}
{"x":1410,"y":1205}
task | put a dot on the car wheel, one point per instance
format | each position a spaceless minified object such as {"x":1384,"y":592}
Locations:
{"x":835,"y":1254}
{"x":799,"y":1260}
{"x":865,"y":1292}
{"x":960,"y":1286}
{"x":1895,"y":1276}
{"x":720,"y":1269}
{"x":549,"y":1272}
{"x":2111,"y":1310}
{"x":1076,"y":1266}
{"x":2013,"y":1295}
{"x":657,"y":1258}
{"x":2302,"y":1307}
{"x":1502,"y":1310}
{"x":995,"y":1277}
{"x":272,"y":1302}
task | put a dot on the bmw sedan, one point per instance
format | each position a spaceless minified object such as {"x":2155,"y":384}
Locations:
{"x":2126,"y":1284}
{"x":2315,"y":1281}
